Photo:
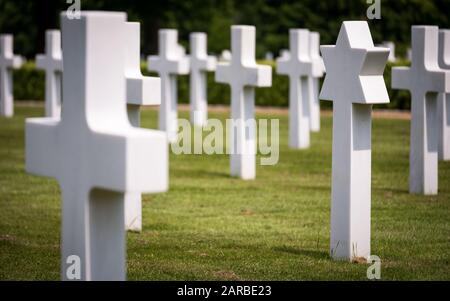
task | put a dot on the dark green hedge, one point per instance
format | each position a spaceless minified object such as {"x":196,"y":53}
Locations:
{"x":29,"y":85}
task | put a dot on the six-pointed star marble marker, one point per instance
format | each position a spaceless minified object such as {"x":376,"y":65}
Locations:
{"x":93,"y":150}
{"x":200,"y":63}
{"x":317,"y":72}
{"x":243,"y":74}
{"x":170,"y":62}
{"x":424,"y":80}
{"x":52,"y":63}
{"x":354,"y":81}
{"x":444,"y":99}
{"x":298,"y":66}
{"x":8,"y":62}
{"x":141,"y":91}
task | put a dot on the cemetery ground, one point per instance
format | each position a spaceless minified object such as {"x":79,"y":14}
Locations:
{"x":213,"y":227}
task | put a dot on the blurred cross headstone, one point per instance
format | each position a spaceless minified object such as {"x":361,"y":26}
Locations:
{"x":424,"y":79}
{"x":318,"y":70}
{"x":140,"y":91}
{"x":200,"y":63}
{"x":243,"y":74}
{"x":52,"y":63}
{"x":298,"y":66}
{"x":170,"y":62}
{"x":8,"y":62}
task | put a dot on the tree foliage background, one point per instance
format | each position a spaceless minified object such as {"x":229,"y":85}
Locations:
{"x":28,"y":19}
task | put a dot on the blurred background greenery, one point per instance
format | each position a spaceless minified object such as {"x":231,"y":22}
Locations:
{"x":28,"y":20}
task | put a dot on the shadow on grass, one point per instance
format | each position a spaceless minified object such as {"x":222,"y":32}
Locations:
{"x":390,"y":190}
{"x":316,"y":254}
{"x":316,"y":188}
{"x":202,"y":174}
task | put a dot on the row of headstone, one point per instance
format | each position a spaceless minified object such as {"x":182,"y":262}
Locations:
{"x":102,"y":161}
{"x":237,"y":68}
{"x":304,"y":66}
{"x":172,"y":61}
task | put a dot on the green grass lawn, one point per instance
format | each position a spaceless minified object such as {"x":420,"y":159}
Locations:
{"x":212,"y":227}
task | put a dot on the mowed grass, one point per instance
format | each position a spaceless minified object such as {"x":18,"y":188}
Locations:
{"x":210,"y":226}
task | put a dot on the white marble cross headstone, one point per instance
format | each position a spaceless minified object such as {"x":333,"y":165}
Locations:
{"x":8,"y":62}
{"x":243,"y":74}
{"x":354,"y":81}
{"x":444,"y":99}
{"x":200,"y":63}
{"x":170,"y":62}
{"x":93,"y":150}
{"x":318,"y":70}
{"x":424,"y":79}
{"x":298,"y":66}
{"x":52,"y":63}
{"x":141,"y":91}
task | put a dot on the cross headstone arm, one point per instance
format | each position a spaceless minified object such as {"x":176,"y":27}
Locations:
{"x":401,"y":78}
{"x":41,"y":147}
{"x":283,"y":64}
{"x":437,"y":80}
{"x":208,"y":64}
{"x":181,"y":66}
{"x":40,"y":61}
{"x":6,"y":45}
{"x":440,"y":81}
{"x":211,"y":63}
{"x":143,"y":90}
{"x":157,"y":64}
{"x":52,"y":59}
{"x":153,"y":63}
{"x":259,"y":76}
{"x":223,"y":73}
{"x":139,"y":148}
{"x":17,"y":61}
